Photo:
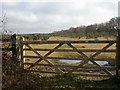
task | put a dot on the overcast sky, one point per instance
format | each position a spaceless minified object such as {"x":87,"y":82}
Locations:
{"x":46,"y":16}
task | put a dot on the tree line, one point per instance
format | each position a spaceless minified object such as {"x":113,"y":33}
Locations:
{"x":36,"y":36}
{"x":107,"y":29}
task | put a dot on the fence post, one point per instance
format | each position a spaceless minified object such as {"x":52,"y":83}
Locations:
{"x":118,"y":54}
{"x":23,"y":50}
{"x":21,"y":53}
{"x":13,"y":47}
{"x":14,"y":53}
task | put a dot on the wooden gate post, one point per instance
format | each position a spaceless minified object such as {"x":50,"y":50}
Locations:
{"x":118,"y":54}
{"x":21,"y":53}
{"x":14,"y":51}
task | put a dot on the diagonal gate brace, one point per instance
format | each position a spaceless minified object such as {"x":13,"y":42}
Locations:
{"x":44,"y":57}
{"x":86,"y":58}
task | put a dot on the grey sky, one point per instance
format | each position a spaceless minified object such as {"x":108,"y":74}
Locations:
{"x":45,"y":16}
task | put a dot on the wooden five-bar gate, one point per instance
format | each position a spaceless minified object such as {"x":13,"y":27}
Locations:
{"x":83,"y":68}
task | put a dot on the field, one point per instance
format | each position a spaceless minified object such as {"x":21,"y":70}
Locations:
{"x":72,"y":54}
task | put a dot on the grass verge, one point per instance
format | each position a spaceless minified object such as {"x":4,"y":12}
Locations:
{"x":72,"y":82}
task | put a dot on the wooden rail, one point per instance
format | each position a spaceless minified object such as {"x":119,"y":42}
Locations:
{"x":68,"y":58}
{"x":57,"y":42}
{"x":5,"y":40}
{"x":12,"y":48}
{"x":72,"y":66}
{"x":58,"y":67}
{"x":71,"y":50}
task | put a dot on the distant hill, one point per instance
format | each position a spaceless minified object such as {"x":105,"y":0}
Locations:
{"x":107,"y":29}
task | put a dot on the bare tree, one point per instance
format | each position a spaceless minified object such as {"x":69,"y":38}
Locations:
{"x":3,"y":22}
{"x":115,"y":23}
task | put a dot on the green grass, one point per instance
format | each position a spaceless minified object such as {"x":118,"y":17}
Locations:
{"x":70,"y":81}
{"x":75,"y":82}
